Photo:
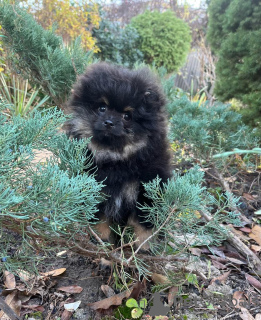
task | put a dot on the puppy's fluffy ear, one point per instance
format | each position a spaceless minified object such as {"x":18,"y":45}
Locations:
{"x":151,"y":96}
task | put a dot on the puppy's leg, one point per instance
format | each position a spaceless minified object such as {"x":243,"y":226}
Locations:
{"x":141,"y":234}
{"x":103,"y":230}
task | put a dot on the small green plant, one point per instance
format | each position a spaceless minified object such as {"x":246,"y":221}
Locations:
{"x":138,"y":309}
{"x":192,"y":279}
{"x":21,"y":98}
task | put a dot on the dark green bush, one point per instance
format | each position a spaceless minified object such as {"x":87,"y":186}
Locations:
{"x":165,"y":39}
{"x":117,"y":44}
{"x":234,"y":34}
{"x":39,"y":55}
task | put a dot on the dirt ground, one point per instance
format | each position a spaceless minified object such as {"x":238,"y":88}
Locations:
{"x":227,"y":280}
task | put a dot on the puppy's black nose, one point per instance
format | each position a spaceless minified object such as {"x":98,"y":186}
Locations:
{"x":108,"y":124}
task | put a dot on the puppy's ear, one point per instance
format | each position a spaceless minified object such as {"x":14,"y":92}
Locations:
{"x":151,"y":96}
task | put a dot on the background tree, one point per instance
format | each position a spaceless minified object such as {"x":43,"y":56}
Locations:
{"x":71,"y":18}
{"x":234,"y":34}
{"x":39,"y":55}
{"x":123,"y":11}
{"x":116,"y":43}
{"x":165,"y":39}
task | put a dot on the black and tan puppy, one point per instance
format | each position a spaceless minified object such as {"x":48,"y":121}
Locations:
{"x":124,"y":113}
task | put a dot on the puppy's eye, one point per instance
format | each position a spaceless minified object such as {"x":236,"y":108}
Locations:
{"x":102,"y":108}
{"x":127,"y":117}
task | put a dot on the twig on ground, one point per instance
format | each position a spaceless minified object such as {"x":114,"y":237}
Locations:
{"x":7,"y":310}
{"x":254,"y":261}
{"x":97,"y":237}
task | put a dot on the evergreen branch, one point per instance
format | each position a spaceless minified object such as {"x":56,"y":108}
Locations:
{"x":152,"y":236}
{"x":226,"y":187}
{"x":40,"y":55}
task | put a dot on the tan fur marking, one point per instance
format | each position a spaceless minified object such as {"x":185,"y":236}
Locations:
{"x":101,"y":154}
{"x":80,"y":126}
{"x":104,"y":230}
{"x":105,"y":100}
{"x":141,"y":234}
{"x":128,"y":109}
{"x":130,"y":191}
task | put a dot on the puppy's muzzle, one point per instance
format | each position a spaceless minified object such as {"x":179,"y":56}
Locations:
{"x":108,"y":124}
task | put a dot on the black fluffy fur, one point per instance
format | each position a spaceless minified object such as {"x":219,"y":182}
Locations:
{"x":124,"y":113}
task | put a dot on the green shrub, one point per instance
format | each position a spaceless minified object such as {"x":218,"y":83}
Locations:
{"x":117,"y":44}
{"x":39,"y":55}
{"x":234,"y":34}
{"x":208,"y":129}
{"x":53,"y":197}
{"x":165,"y":39}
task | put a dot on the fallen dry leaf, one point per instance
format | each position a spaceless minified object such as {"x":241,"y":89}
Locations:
{"x":248,"y":196}
{"x":106,"y":263}
{"x":235,"y":255}
{"x":255,"y":248}
{"x":240,"y":234}
{"x":245,"y":315}
{"x":256,"y":234}
{"x":195,"y":251}
{"x":107,"y":290}
{"x":137,"y":288}
{"x":14,"y":303}
{"x":236,"y":261}
{"x":66,"y":315}
{"x":172,"y":294}
{"x":71,"y":289}
{"x":217,"y":252}
{"x":245,"y":229}
{"x":253,"y":281}
{"x":222,"y":278}
{"x":218,"y":265}
{"x":54,"y":273}
{"x":34,"y":307}
{"x":238,"y":296}
{"x":25,"y":275}
{"x":112,"y":301}
{"x":230,"y":179}
{"x":159,"y":278}
{"x":10,"y":282}
{"x":221,"y":260}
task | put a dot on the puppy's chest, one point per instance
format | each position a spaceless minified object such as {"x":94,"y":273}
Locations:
{"x":121,"y":185}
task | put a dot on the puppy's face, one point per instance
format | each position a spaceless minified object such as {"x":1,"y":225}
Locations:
{"x":115,"y":106}
{"x":111,"y":126}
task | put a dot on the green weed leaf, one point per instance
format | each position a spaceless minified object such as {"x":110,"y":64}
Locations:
{"x":143,"y":303}
{"x":136,"y":313}
{"x":132,"y":303}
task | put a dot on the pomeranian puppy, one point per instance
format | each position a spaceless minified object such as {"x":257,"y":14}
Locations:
{"x":124,"y":112}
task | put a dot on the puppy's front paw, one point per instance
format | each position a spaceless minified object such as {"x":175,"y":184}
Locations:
{"x":143,"y":236}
